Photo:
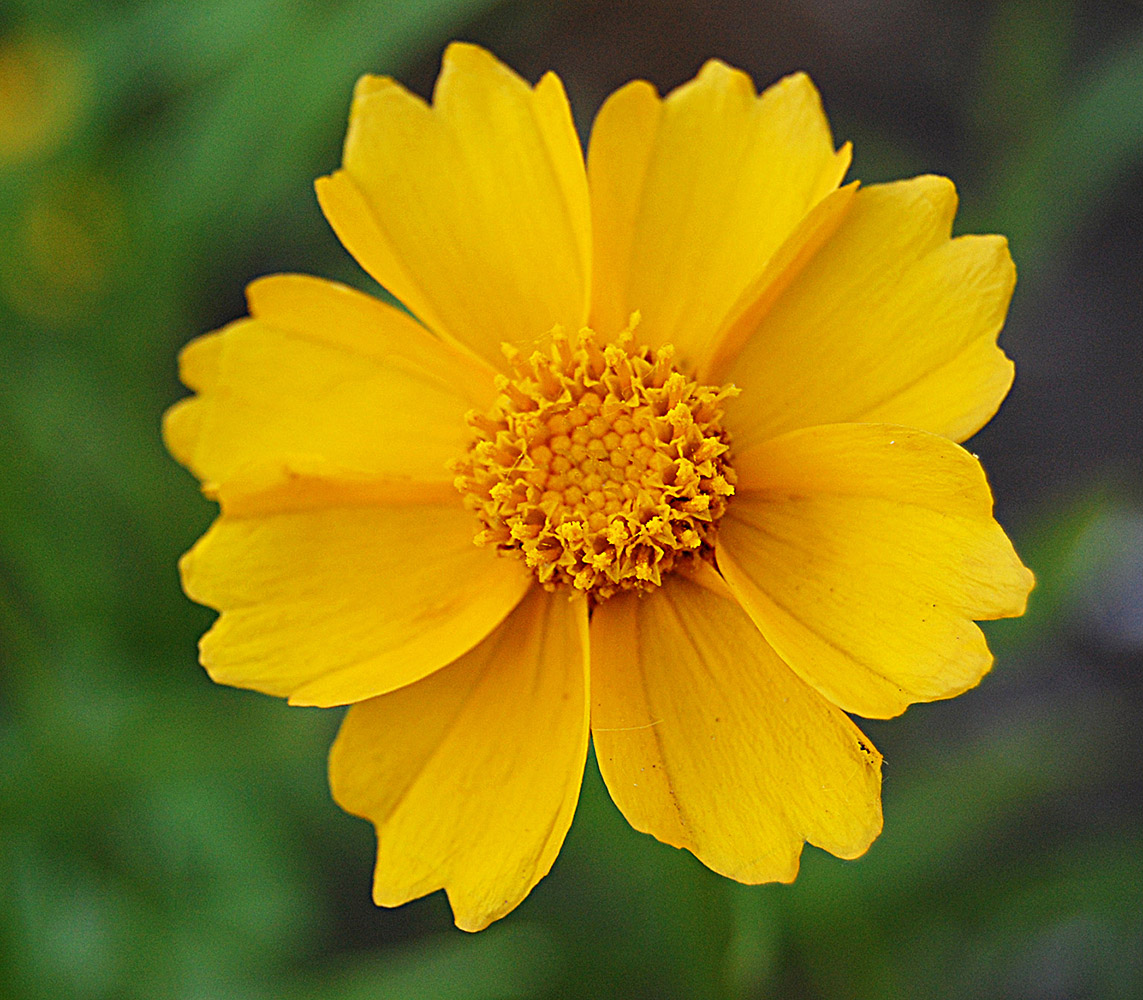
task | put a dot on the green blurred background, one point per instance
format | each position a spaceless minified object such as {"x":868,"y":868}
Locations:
{"x":162,"y":837}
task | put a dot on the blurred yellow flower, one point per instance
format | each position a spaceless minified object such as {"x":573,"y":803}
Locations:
{"x":667,"y":457}
{"x":69,"y":237}
{"x":43,"y":88}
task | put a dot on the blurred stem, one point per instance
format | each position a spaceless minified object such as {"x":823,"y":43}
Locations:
{"x":232,"y":154}
{"x":1022,"y":70}
{"x":1066,"y":144}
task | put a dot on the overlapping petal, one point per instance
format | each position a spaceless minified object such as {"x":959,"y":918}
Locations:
{"x":890,"y":321}
{"x":471,"y":776}
{"x":707,"y":740}
{"x":864,"y":553}
{"x":323,"y":379}
{"x":473,"y":212}
{"x":692,"y":195}
{"x":329,"y":606}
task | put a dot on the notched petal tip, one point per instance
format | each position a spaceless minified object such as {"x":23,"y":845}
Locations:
{"x":926,"y":203}
{"x":262,"y":292}
{"x":464,"y":61}
{"x":550,"y":91}
{"x":844,"y":159}
{"x":717,"y":68}
{"x":796,"y":87}
{"x":371,"y":83}
{"x":800,"y":83}
{"x":839,"y":526}
{"x":472,"y":916}
{"x":468,"y":55}
{"x":428,"y":201}
{"x":199,"y":361}
{"x":1019,"y":582}
{"x":994,"y":258}
{"x":693,"y":752}
{"x":940,"y":194}
{"x":181,"y":427}
{"x":401,"y":588}
{"x":719,"y":76}
{"x":327,"y":189}
{"x":470,"y":776}
{"x":372,"y":95}
{"x":693,"y":195}
{"x":642,"y":91}
{"x":889,"y":275}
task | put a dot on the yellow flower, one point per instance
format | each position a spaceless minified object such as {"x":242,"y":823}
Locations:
{"x":667,"y":457}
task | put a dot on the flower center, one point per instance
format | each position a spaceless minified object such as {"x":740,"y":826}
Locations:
{"x":600,"y":465}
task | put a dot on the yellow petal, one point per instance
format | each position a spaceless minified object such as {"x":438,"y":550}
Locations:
{"x":708,"y":741}
{"x":474,"y":212}
{"x":323,"y":377}
{"x":296,"y":485}
{"x":863,"y":553}
{"x":335,"y":605}
{"x":471,"y":776}
{"x":816,"y":227}
{"x":693,"y":194}
{"x":890,"y":322}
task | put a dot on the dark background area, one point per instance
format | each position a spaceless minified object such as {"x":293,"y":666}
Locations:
{"x":163,"y":837}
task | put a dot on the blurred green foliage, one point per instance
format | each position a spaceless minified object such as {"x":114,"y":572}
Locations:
{"x":160,"y":837}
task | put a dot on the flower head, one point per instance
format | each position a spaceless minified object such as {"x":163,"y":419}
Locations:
{"x":601,"y":466}
{"x":665,"y":458}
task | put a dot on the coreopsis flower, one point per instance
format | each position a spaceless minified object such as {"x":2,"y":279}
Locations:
{"x":663,"y":452}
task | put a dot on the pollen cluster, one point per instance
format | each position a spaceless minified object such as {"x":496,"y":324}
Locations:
{"x":600,"y":465}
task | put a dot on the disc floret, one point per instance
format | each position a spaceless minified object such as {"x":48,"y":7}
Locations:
{"x":601,"y":465}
